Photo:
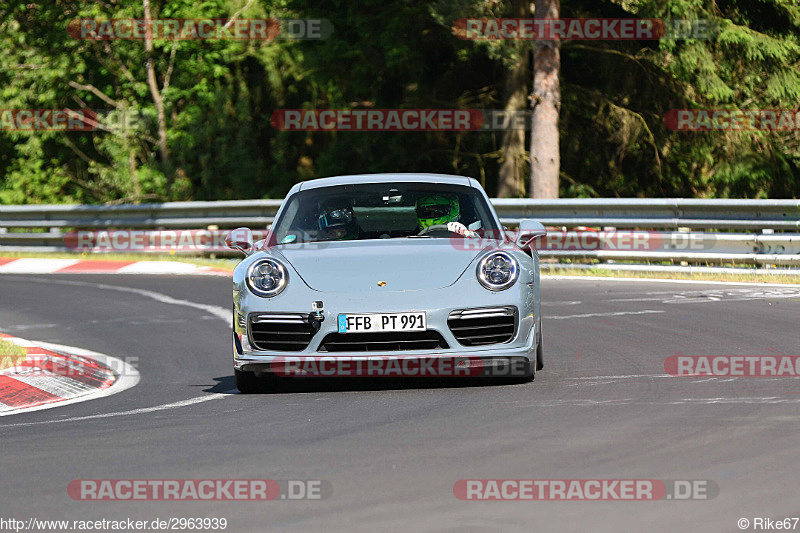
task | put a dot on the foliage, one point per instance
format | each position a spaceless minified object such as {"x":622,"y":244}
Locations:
{"x":219,"y":96}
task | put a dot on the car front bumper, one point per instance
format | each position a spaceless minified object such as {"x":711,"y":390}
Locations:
{"x":465,"y":294}
{"x":521,"y":348}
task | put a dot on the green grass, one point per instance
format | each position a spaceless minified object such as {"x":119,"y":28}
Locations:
{"x":738,"y":277}
{"x":10,"y":354}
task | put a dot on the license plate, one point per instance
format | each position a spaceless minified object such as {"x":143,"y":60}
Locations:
{"x":382,"y":322}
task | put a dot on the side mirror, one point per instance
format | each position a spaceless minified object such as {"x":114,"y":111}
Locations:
{"x":240,"y":239}
{"x":529,"y":231}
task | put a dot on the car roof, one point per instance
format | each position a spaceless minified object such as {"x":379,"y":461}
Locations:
{"x":400,"y":177}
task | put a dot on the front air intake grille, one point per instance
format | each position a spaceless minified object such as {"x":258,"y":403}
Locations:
{"x":383,"y":342}
{"x":281,"y":332}
{"x":490,"y":325}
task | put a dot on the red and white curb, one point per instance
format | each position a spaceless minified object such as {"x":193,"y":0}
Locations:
{"x":79,"y":266}
{"x":52,"y":375}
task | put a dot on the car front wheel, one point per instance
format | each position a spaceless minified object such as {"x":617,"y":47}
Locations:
{"x":539,"y":355}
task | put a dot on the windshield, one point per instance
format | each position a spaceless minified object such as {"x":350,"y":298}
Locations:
{"x":384,"y":211}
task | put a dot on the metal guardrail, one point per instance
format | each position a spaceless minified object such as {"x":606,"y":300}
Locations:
{"x":167,"y":215}
{"x":702,"y":258}
{"x":655,"y":213}
{"x":762,"y":245}
{"x":691,"y":247}
{"x":645,"y":213}
{"x":622,"y":245}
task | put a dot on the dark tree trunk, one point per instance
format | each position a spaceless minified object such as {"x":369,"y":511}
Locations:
{"x":511,"y":182}
{"x":545,"y":155}
{"x":155,"y":93}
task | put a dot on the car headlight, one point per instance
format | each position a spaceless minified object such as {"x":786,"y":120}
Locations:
{"x":498,"y":271}
{"x":267,"y":278}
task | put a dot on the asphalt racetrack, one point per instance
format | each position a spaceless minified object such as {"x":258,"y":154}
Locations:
{"x":602,"y":408}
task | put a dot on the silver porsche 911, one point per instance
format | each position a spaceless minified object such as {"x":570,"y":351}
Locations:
{"x":386,"y":275}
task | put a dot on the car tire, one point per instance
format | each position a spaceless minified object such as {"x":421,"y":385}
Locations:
{"x":250,"y":383}
{"x":530,"y":373}
{"x":539,"y":355}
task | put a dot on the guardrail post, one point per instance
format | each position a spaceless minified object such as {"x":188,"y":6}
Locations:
{"x":212,"y":228}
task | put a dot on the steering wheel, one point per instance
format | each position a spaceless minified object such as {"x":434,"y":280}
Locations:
{"x":443,"y":227}
{"x":436,"y":227}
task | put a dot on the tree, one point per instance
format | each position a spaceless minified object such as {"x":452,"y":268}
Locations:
{"x":545,"y":146}
{"x":598,"y":106}
{"x":513,"y":166}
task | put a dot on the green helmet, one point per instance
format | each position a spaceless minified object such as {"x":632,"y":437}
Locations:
{"x":437,"y":210}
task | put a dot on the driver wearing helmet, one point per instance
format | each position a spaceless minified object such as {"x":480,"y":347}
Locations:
{"x":440,"y":210}
{"x":338,"y":224}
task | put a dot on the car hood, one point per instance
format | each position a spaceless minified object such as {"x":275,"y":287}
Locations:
{"x":404,"y":264}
